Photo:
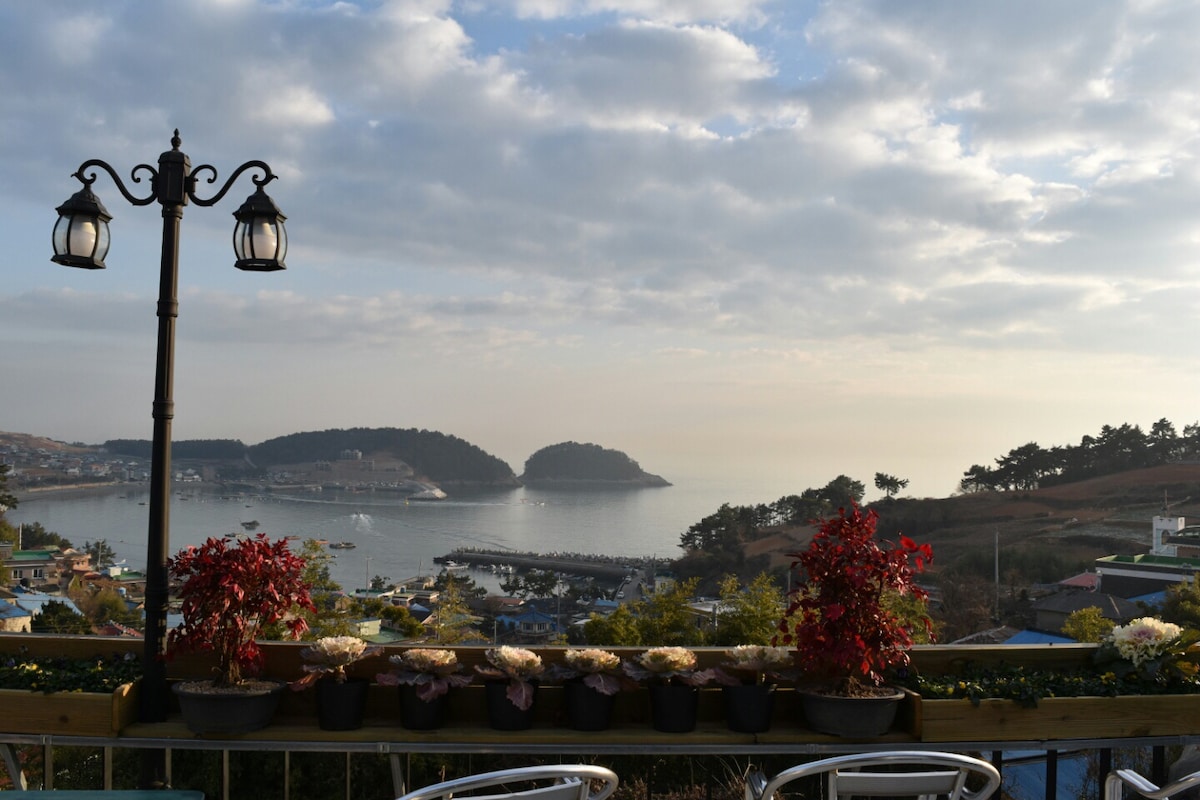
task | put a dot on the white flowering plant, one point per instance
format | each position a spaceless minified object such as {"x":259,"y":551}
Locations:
{"x":754,"y":664}
{"x":433,"y":671}
{"x":1150,"y":650}
{"x":667,"y":666}
{"x":329,"y":657}
{"x":599,"y":669}
{"x":520,"y":667}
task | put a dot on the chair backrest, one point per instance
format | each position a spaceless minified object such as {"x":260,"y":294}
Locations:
{"x":1115,"y":783}
{"x":549,"y":782}
{"x":899,"y":773}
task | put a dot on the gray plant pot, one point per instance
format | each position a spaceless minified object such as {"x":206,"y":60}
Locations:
{"x":850,"y":717}
{"x":241,"y":710}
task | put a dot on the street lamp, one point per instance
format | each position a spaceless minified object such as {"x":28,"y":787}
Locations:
{"x":81,"y":240}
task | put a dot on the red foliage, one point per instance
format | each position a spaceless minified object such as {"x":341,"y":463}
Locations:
{"x":837,"y":620}
{"x":229,"y":594}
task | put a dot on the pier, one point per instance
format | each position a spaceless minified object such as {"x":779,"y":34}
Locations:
{"x":595,"y":566}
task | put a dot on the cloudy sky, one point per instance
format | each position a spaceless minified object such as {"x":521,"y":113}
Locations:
{"x":780,"y":240}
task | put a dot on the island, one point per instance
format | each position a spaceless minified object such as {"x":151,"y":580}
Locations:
{"x":573,"y":465}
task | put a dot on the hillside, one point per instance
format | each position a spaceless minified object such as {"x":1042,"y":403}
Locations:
{"x":1043,"y":534}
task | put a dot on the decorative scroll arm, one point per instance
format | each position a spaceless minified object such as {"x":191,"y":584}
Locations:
{"x":88,"y":180}
{"x":266,"y":178}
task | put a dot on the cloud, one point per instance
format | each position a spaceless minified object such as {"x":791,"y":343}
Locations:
{"x":594,"y":181}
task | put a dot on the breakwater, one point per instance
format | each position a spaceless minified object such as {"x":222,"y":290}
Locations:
{"x":595,"y":566}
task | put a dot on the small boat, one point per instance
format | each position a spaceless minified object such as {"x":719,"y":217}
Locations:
{"x":451,"y":566}
{"x":342,"y":546}
{"x":251,"y":525}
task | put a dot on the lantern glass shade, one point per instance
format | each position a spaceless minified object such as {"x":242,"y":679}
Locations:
{"x":259,"y":238}
{"x":81,"y":233}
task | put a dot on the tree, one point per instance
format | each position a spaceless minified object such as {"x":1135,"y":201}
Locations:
{"x":453,"y":617}
{"x":541,"y":583}
{"x":889,"y":484}
{"x":843,"y":492}
{"x":107,"y":605}
{"x":399,"y":618}
{"x":748,"y":615}
{"x":1087,"y":625}
{"x":618,"y":629}
{"x":1182,"y":604}
{"x":513,"y":586}
{"x":100,"y":553}
{"x":58,"y":617}
{"x":34,"y":536}
{"x":327,"y":619}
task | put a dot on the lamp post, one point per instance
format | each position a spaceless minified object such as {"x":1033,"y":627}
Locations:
{"x":81,"y":240}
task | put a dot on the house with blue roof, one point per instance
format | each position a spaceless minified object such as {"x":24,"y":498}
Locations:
{"x":530,"y":627}
{"x":14,"y":619}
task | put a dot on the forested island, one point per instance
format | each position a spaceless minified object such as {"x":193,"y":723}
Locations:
{"x":575,"y":465}
{"x":397,"y":455}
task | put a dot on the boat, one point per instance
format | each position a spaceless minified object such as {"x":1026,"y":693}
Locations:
{"x":342,"y":546}
{"x":451,"y":566}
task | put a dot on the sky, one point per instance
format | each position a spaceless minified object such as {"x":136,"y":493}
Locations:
{"x":755,"y":240}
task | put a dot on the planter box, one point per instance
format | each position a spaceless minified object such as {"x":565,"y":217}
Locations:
{"x":69,"y":713}
{"x":1057,"y":718}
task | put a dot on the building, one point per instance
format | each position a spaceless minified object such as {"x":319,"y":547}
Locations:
{"x":1051,"y":612}
{"x":14,"y":619}
{"x":1174,"y":557}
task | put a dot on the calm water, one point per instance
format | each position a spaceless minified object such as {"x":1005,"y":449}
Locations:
{"x":394,"y":538}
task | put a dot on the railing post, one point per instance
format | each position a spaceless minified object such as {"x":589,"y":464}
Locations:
{"x":1051,"y":774}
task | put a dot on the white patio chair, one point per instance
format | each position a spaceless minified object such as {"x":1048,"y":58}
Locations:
{"x":1115,"y":783}
{"x":551,"y":782}
{"x":903,"y":773}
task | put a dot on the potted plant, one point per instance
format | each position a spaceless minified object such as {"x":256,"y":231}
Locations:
{"x":341,"y":700}
{"x":591,"y":679}
{"x":511,"y":679}
{"x":229,"y":591}
{"x":840,"y":624}
{"x":748,"y":681}
{"x":425,"y":677}
{"x":1149,"y":652}
{"x":68,"y":694}
{"x":674,"y":682}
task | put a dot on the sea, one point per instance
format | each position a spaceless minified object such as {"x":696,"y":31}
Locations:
{"x":393,"y":538}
